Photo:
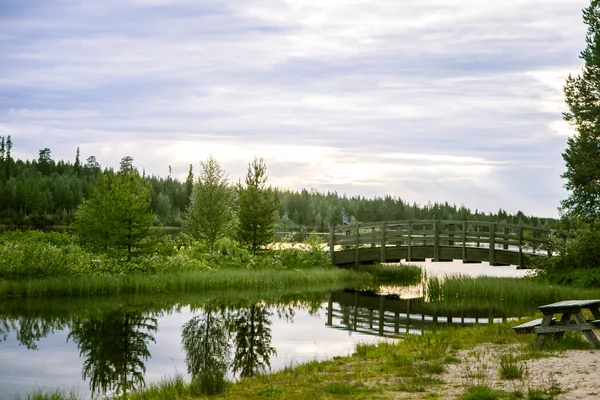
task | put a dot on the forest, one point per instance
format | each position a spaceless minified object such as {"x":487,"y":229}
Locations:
{"x":43,"y":193}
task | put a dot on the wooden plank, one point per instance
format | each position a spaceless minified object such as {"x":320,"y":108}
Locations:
{"x":568,"y":305}
{"x":564,"y":328}
{"x":528,"y":326}
{"x":589,"y":334}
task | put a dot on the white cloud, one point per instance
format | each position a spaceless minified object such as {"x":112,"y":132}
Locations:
{"x":419,"y":99}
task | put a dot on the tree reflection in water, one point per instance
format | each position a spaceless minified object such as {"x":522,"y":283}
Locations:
{"x":253,"y":348}
{"x":115,"y":347}
{"x":205,"y":339}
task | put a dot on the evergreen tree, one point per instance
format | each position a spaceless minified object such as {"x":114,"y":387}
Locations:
{"x":210,"y":214}
{"x":257,"y":207}
{"x":189,"y":183}
{"x":77,"y":165}
{"x":116,"y":216}
{"x":582,"y":156}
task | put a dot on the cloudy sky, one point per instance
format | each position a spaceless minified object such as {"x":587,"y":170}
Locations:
{"x":429,"y":100}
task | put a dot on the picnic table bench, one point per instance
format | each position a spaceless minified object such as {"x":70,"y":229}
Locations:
{"x":571,"y":319}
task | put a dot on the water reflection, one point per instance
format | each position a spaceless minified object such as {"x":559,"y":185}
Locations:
{"x":390,"y":315}
{"x":253,"y":348}
{"x":205,"y":339}
{"x":125,"y":343}
{"x":114,"y":347}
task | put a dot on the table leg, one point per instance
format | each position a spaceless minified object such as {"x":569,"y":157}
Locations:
{"x":565,"y":319}
{"x":540,"y":337}
{"x":590,"y":335}
{"x":595,"y":312}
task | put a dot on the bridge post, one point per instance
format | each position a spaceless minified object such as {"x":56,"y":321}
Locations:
{"x":436,"y":241}
{"x":464,"y":241}
{"x":381,"y":314}
{"x":409,"y":242}
{"x":492,"y":256}
{"x":330,"y":310}
{"x":357,"y":246}
{"x":332,"y":244}
{"x":383,"y":257}
{"x":521,"y":247}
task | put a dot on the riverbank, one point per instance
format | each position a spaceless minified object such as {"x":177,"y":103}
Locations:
{"x":483,"y":362}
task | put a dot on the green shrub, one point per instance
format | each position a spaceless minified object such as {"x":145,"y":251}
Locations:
{"x":510,"y":367}
{"x":576,"y":257}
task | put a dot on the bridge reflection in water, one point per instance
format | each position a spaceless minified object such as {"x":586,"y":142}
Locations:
{"x":391,"y":316}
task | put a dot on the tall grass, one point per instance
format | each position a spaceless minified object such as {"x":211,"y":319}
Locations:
{"x":516,"y":290}
{"x":403,"y":274}
{"x":57,"y":394}
{"x":185,"y":281}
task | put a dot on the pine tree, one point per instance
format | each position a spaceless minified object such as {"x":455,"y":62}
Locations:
{"x":116,"y":216}
{"x":210,"y":213}
{"x":257,"y":207}
{"x":582,"y":156}
{"x":189,"y":183}
{"x":77,"y":165}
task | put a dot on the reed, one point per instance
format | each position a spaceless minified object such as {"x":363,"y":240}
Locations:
{"x":401,"y":274}
{"x":184,"y":281}
{"x":516,"y":290}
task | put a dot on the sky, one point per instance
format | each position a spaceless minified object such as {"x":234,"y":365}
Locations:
{"x":426,"y":100}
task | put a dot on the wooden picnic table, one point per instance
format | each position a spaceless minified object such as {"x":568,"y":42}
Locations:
{"x":571,"y":319}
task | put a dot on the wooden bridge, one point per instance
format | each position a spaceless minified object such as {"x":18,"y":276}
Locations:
{"x":417,"y":240}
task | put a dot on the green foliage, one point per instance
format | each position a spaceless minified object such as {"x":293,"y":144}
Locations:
{"x":27,"y":255}
{"x":404,"y":274}
{"x":117,"y":216}
{"x":582,"y":155}
{"x":56,"y":394}
{"x":576,"y":258}
{"x":482,"y":393}
{"x":256,"y":208}
{"x":511,"y":367}
{"x":527,"y":292}
{"x":210,"y":214}
{"x":178,"y":281}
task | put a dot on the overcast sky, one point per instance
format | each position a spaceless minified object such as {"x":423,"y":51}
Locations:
{"x":429,"y":100}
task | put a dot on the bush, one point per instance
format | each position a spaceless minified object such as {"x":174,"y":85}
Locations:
{"x":576,"y":257}
{"x":32,"y":259}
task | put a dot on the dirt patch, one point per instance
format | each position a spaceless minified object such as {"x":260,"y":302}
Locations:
{"x":575,"y":372}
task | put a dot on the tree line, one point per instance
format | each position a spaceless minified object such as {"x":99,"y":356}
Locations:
{"x":43,"y":192}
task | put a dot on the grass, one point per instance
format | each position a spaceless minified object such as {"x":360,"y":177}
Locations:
{"x":393,"y":370}
{"x":186,"y":281}
{"x":385,"y":370}
{"x":457,"y":288}
{"x":403,"y":274}
{"x":57,"y":394}
{"x":510,"y":367}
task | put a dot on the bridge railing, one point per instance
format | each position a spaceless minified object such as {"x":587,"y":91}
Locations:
{"x":522,"y":239}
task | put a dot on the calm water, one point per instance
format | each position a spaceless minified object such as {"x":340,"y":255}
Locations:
{"x":99,"y":345}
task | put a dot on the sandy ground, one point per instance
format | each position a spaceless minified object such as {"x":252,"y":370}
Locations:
{"x":576,"y":372}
